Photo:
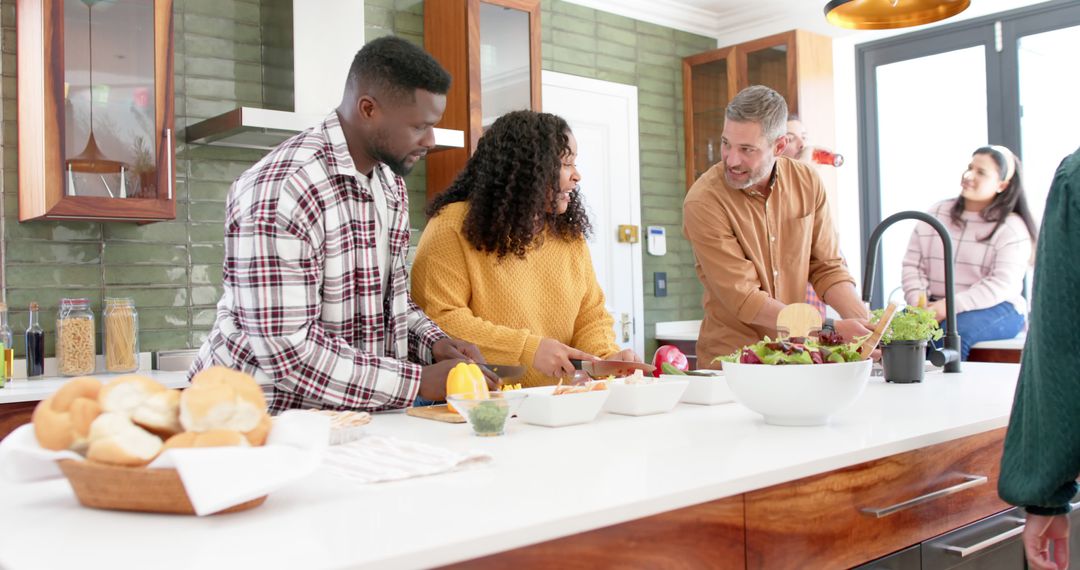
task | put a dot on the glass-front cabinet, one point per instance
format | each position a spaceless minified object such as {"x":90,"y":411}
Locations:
{"x":797,"y":64}
{"x":492,"y":50}
{"x":95,"y":110}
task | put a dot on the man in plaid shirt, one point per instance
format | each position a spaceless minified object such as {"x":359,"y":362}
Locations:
{"x":316,"y":303}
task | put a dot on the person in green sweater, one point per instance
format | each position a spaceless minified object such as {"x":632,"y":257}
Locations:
{"x":503,"y":260}
{"x":1041,"y":462}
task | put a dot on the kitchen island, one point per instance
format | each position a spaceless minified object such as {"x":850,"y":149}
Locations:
{"x":712,"y":480}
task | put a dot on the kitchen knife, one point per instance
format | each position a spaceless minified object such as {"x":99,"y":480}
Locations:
{"x":505,"y":371}
{"x":605,"y":368}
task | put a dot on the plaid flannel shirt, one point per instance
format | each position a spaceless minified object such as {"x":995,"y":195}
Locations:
{"x":303,"y":308}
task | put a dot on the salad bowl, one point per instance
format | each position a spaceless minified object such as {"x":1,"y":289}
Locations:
{"x":797,"y":394}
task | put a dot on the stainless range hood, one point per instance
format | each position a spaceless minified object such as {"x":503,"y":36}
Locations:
{"x":321,"y":52}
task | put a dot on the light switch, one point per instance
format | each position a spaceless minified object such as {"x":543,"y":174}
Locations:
{"x":659,"y":284}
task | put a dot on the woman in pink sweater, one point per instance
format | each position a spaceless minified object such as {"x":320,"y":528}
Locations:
{"x":993,"y":235}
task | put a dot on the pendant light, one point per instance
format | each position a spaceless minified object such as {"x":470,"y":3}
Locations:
{"x":886,"y":14}
{"x":92,"y":160}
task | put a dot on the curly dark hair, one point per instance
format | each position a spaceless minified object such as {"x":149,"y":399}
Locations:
{"x":511,"y":183}
{"x":396,"y":68}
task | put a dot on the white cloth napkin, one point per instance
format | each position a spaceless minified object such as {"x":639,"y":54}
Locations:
{"x":375,"y":458}
{"x":215,"y":478}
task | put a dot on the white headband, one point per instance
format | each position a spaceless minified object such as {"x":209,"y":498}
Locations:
{"x":1010,"y":161}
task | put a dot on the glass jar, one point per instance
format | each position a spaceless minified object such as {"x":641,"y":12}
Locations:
{"x":76,"y":352}
{"x":120,"y":335}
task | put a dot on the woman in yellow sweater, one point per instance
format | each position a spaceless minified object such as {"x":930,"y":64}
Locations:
{"x":503,"y":261}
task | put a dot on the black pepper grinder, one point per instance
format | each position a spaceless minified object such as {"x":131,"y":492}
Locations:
{"x":35,"y":345}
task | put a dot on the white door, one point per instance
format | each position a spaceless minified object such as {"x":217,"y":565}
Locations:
{"x":604,"y":118}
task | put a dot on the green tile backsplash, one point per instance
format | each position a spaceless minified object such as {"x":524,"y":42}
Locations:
{"x":173,"y":269}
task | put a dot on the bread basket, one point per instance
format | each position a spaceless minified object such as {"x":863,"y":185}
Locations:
{"x":140,"y":489}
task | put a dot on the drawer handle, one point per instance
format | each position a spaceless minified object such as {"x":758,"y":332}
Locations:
{"x":964,"y":552}
{"x":969,"y":481}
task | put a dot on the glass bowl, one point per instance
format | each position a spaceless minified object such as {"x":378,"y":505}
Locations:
{"x":487,"y":413}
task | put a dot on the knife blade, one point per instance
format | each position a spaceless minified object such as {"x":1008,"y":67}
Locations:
{"x":505,"y":371}
{"x":605,"y":368}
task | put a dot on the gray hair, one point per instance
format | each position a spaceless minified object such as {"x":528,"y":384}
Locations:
{"x":761,"y":105}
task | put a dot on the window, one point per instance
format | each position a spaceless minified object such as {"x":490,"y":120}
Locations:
{"x":928,"y":99}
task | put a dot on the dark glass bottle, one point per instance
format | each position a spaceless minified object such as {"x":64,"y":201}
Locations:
{"x":35,"y":345}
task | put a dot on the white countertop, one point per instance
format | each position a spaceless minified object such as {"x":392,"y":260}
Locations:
{"x":542,"y":484}
{"x":40,"y":388}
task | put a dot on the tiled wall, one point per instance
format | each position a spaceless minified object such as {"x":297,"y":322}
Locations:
{"x":173,"y":269}
{"x":601,"y":45}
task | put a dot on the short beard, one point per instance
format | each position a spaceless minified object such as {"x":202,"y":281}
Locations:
{"x":397,"y":165}
{"x":750,"y":181}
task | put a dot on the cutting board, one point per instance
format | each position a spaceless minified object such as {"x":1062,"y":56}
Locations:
{"x":437,"y":413}
{"x":798,"y":319}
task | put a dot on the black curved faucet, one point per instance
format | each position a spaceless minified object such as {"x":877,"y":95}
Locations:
{"x":949,"y":356}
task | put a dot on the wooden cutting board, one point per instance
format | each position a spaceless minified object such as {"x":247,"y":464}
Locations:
{"x":438,"y":413}
{"x":798,"y":319}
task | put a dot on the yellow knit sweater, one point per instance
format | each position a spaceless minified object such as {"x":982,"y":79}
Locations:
{"x":506,"y":306}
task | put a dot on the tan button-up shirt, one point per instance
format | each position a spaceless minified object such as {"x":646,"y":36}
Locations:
{"x":748,"y":247}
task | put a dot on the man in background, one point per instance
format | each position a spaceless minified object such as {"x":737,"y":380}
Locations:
{"x":761,"y":229}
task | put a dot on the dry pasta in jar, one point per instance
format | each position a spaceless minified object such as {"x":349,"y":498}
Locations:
{"x":120,"y":324}
{"x":76,"y":352}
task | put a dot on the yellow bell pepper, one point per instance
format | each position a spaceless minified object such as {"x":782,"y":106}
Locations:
{"x":466,"y":379}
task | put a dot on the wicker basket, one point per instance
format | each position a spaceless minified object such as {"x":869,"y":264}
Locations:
{"x":134,"y":489}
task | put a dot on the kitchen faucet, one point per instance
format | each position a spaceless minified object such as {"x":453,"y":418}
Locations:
{"x":949,"y":356}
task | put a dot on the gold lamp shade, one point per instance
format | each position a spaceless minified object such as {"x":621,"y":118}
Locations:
{"x":886,"y":14}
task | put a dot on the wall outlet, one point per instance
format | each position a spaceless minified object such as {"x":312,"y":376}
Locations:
{"x":659,"y":279}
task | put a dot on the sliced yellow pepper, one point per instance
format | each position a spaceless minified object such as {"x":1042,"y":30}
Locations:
{"x":465,"y":379}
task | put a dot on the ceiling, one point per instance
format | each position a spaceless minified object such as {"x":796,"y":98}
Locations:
{"x":733,"y":21}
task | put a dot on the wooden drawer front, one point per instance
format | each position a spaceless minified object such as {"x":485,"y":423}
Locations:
{"x":703,"y":536}
{"x":15,"y":415}
{"x":818,"y":522}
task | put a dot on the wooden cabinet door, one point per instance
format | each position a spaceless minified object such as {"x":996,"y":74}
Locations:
{"x":96,"y":110}
{"x":15,"y":415}
{"x":829,"y":521}
{"x":703,"y":536}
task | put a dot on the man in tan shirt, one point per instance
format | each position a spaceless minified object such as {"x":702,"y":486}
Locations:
{"x":761,"y":229}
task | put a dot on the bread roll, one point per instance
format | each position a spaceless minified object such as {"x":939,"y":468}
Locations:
{"x":220,"y":398}
{"x":126,"y":394}
{"x":62,"y":421}
{"x":116,"y":440}
{"x":160,"y":413}
{"x":213,"y":438}
{"x":257,"y":436}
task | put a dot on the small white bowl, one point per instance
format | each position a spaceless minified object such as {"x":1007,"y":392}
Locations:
{"x":704,"y":390}
{"x":544,"y":409}
{"x":797,"y":394}
{"x":654,"y":397}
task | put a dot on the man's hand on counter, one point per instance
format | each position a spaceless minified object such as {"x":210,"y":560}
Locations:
{"x":433,"y":378}
{"x":455,"y":348}
{"x":459,"y":350}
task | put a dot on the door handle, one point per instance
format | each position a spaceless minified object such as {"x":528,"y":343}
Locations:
{"x":969,"y":481}
{"x":965,"y":551}
{"x":169,"y":159}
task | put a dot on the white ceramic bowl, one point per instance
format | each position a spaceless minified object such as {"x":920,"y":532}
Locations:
{"x":644,"y":399}
{"x":704,"y":390}
{"x":797,"y":394}
{"x":543,"y":409}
